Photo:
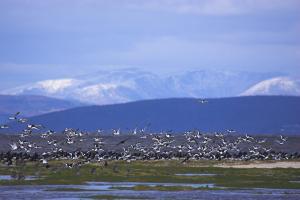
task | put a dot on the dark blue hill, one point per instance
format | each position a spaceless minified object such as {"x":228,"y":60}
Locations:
{"x":30,"y":105}
{"x":256,"y":114}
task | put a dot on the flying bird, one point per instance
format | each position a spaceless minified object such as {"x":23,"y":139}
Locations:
{"x":3,"y":126}
{"x":203,"y":101}
{"x":116,"y":132}
{"x":13,"y":146}
{"x":14,"y":117}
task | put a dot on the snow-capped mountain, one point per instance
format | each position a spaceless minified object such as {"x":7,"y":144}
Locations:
{"x":275,"y":86}
{"x":123,"y":85}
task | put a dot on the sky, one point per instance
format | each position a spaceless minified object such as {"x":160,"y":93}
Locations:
{"x":61,"y":38}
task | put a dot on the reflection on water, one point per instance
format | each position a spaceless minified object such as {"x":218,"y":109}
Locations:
{"x":105,"y":188}
{"x":6,"y":177}
{"x":9,"y":177}
{"x":111,"y":185}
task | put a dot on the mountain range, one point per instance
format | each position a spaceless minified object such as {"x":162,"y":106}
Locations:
{"x":30,"y":105}
{"x":126,"y":85}
{"x":252,"y":114}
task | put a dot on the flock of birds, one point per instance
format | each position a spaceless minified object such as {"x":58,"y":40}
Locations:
{"x":35,"y":143}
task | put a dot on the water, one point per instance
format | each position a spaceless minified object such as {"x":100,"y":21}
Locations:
{"x":6,"y":177}
{"x":107,"y":188}
{"x":9,"y":177}
{"x":39,"y":192}
{"x":111,"y":185}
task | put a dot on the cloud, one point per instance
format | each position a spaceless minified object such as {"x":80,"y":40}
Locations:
{"x":212,"y":7}
{"x":216,"y":7}
{"x":66,"y":36}
{"x":196,"y":7}
{"x":179,"y":52}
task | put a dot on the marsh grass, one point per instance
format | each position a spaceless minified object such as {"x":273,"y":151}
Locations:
{"x":155,"y":171}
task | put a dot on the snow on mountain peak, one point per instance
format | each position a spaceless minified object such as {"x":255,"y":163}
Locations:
{"x":275,"y":86}
{"x":54,"y":86}
{"x":118,"y":86}
{"x":103,"y":93}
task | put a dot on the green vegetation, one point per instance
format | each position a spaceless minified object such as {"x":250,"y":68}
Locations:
{"x":154,"y":171}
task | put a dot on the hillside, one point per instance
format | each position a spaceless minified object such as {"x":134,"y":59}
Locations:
{"x":255,"y":114}
{"x":30,"y":105}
